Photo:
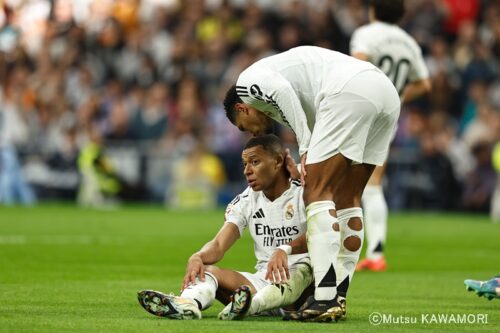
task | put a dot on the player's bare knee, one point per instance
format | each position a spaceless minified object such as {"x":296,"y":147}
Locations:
{"x":214,"y":270}
{"x":355,"y":224}
{"x":352,"y":243}
{"x":336,"y":226}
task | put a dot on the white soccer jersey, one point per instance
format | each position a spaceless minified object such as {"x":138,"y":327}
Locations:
{"x":271,"y":223}
{"x":392,"y":50}
{"x":288,"y":87}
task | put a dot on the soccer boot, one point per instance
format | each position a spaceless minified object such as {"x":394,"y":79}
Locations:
{"x":237,"y":309}
{"x":343,"y":305}
{"x":170,"y":306}
{"x":489,"y":289}
{"x":294,"y":315}
{"x":317,"y":311}
{"x":374,"y":265}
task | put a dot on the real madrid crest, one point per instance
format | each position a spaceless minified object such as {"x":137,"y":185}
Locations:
{"x":289,"y":212}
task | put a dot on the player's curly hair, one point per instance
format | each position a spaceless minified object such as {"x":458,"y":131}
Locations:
{"x":269,"y":142}
{"x":229,"y":101}
{"x":390,"y":11}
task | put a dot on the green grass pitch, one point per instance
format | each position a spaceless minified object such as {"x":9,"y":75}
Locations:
{"x":65,"y":269}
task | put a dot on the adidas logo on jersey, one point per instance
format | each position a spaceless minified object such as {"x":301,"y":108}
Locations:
{"x":259,"y":214}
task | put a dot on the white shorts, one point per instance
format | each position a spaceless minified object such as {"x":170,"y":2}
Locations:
{"x":257,"y":279}
{"x":357,"y":122}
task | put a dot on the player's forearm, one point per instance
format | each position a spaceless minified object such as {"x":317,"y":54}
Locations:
{"x":210,"y":253}
{"x":214,"y":250}
{"x":415,"y":90}
{"x":299,"y":245}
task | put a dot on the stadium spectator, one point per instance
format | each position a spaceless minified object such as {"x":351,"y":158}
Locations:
{"x":196,"y":179}
{"x":433,"y":176}
{"x":151,"y":118}
{"x":13,"y":186}
{"x":458,"y":13}
{"x":101,"y":185}
{"x":455,"y":149}
{"x":14,"y":133}
{"x":480,"y":183}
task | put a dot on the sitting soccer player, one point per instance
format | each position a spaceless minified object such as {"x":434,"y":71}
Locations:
{"x":489,"y":289}
{"x":273,"y":210}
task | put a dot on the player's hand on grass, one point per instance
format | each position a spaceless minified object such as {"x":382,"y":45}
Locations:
{"x":277,"y":267}
{"x":194,"y":268}
{"x":291,"y":166}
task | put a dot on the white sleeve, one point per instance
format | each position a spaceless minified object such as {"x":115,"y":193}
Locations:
{"x":235,"y":214}
{"x":360,"y":42}
{"x":419,"y":70}
{"x":271,"y":93}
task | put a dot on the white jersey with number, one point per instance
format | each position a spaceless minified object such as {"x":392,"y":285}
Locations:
{"x":289,"y":87}
{"x":271,"y":223}
{"x":392,"y":50}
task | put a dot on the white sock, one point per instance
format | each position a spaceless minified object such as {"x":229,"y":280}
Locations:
{"x":347,"y":260}
{"x":268,"y":298}
{"x":376,"y":212}
{"x":202,"y":293}
{"x":323,"y":243}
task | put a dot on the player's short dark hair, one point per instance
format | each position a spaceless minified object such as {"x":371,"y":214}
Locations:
{"x":229,"y":101}
{"x":390,"y":11}
{"x":269,"y":142}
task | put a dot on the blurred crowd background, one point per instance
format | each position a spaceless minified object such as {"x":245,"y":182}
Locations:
{"x":103,"y":101}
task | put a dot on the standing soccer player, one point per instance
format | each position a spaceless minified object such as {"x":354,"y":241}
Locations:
{"x":343,"y":112}
{"x":398,"y":55}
